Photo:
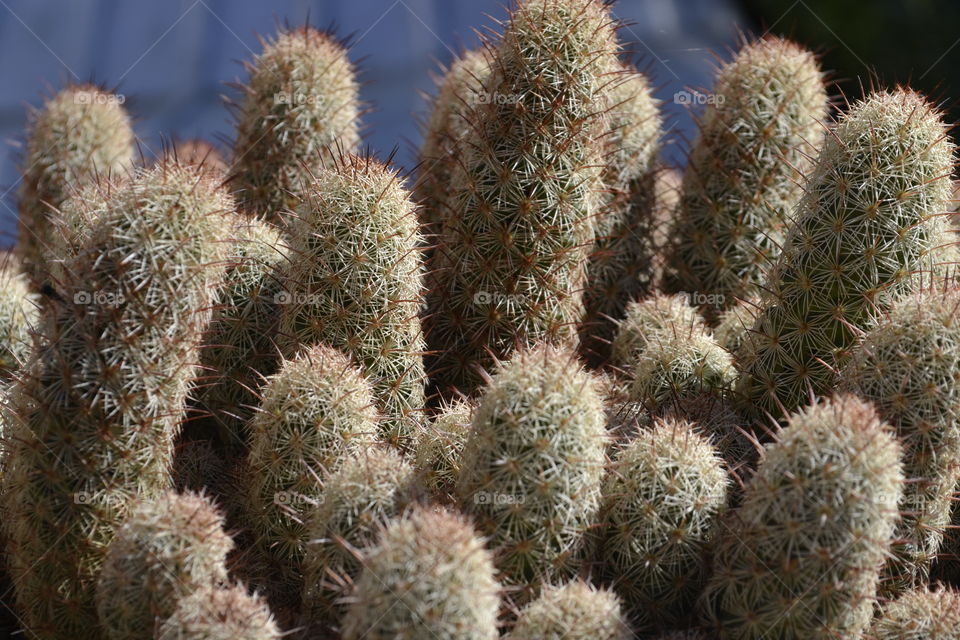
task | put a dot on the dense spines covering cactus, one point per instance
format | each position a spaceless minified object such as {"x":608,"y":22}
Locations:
{"x":240,"y":350}
{"x":908,"y":366}
{"x":715,"y":418}
{"x":621,"y":266}
{"x":81,"y":131}
{"x":920,"y":615}
{"x":574,"y":611}
{"x":438,"y":447}
{"x":735,"y":323}
{"x":510,"y":265}
{"x":679,"y":363}
{"x":97,"y":415}
{"x":316,"y":408}
{"x":533,"y":465}
{"x":355,"y":282}
{"x":299,"y":111}
{"x":690,"y":634}
{"x":459,"y":90}
{"x":661,"y":502}
{"x":367,"y":490}
{"x":428,"y":577}
{"x":213,"y":613}
{"x":167,"y":548}
{"x":870,"y":211}
{"x":649,"y":317}
{"x":758,"y":139}
{"x":19,"y":314}
{"x":801,"y":557}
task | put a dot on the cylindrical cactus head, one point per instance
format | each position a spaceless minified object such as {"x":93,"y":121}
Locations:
{"x":920,"y":615}
{"x":166,"y":548}
{"x":648,"y":317}
{"x":662,"y":498}
{"x":428,"y":576}
{"x":533,"y":464}
{"x":758,"y":139}
{"x":81,"y":131}
{"x":355,"y":282}
{"x":216,"y":613}
{"x":574,"y":611}
{"x":802,"y":556}
{"x":299,"y":110}
{"x":871,"y":210}
{"x":438,"y":447}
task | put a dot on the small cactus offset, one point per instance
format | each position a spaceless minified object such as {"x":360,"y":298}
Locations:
{"x":214,"y":613}
{"x":533,"y":466}
{"x":166,"y":549}
{"x":907,"y":366}
{"x":870,"y":212}
{"x":438,"y":448}
{"x":19,"y":314}
{"x":81,"y":131}
{"x":367,"y":490}
{"x":354,"y":282}
{"x":574,"y":611}
{"x":801,"y":558}
{"x":757,"y":141}
{"x":645,"y":319}
{"x":299,"y":111}
{"x":919,"y":615}
{"x":316,"y":409}
{"x":661,"y":503}
{"x":428,"y":577}
{"x":621,"y":266}
{"x":510,"y":265}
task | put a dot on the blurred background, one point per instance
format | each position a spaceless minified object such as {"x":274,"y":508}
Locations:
{"x":171,"y":59}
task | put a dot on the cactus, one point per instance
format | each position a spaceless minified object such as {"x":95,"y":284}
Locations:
{"x":869,"y":214}
{"x":19,"y":314}
{"x":662,"y":499}
{"x":199,"y":467}
{"x":439,"y":446}
{"x":300,"y":111}
{"x":801,"y":557}
{"x":907,"y":366}
{"x":575,"y":611}
{"x":355,"y":282}
{"x":97,"y":415}
{"x":315,"y":409}
{"x":716,"y":419}
{"x":198,"y":153}
{"x":81,"y":131}
{"x":427,"y":578}
{"x":621,"y":266}
{"x":757,"y":141}
{"x":533,"y":465}
{"x":647,"y":318}
{"x":240,"y":351}
{"x":735,"y":323}
{"x":166,"y":549}
{"x":212,"y":613}
{"x":920,"y":615}
{"x":367,"y":490}
{"x":510,"y":265}
{"x":690,"y":634}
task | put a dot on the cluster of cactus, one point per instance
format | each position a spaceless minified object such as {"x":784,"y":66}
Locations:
{"x":553,"y":390}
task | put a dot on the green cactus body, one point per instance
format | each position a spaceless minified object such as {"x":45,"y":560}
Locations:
{"x":920,"y":615}
{"x":428,"y":577}
{"x":299,"y":112}
{"x":19,"y":314}
{"x":510,"y":265}
{"x":908,"y":366}
{"x":757,"y":141}
{"x":96,"y":417}
{"x":355,"y":282}
{"x":575,"y":611}
{"x":240,"y":351}
{"x":801,"y":557}
{"x":316,"y":409}
{"x":364,"y":493}
{"x":661,"y":503}
{"x":439,"y":447}
{"x":213,"y":613}
{"x":646,"y":319}
{"x":166,"y":549}
{"x":81,"y":131}
{"x":869,"y":215}
{"x":621,"y":266}
{"x":533,"y":465}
